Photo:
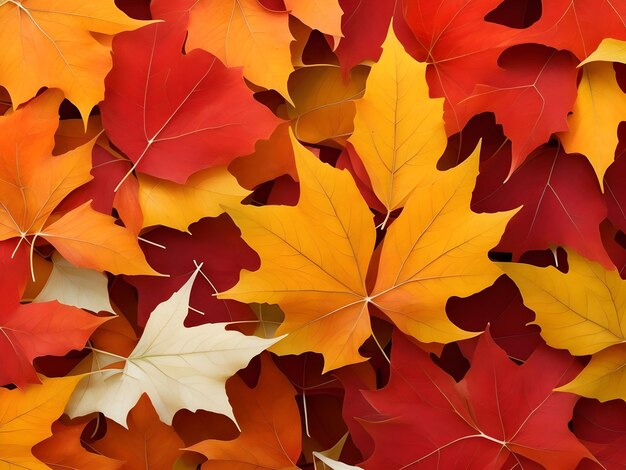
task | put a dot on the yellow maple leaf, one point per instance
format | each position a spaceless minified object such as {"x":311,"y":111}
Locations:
{"x":241,"y":33}
{"x":581,"y":311}
{"x":49,"y":43}
{"x":315,"y":257}
{"x":399,"y":131}
{"x":26,"y":417}
{"x":599,"y":108}
{"x":435,"y":249}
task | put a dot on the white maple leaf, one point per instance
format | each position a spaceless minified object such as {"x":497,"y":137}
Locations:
{"x":177,"y":367}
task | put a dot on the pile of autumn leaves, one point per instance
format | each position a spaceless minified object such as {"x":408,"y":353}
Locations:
{"x":335,"y":181}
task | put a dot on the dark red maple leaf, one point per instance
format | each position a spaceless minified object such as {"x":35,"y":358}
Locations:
{"x":216,"y":242}
{"x":501,"y":307}
{"x":602,"y":428}
{"x":561,"y":198}
{"x":364,"y":25}
{"x":500,"y":412}
{"x":180,"y":113}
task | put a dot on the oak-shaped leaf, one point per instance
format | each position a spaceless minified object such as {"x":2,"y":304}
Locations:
{"x":180,"y":113}
{"x":500,"y":413}
{"x":51,"y":44}
{"x":581,"y":311}
{"x":270,"y":425}
{"x":177,"y":367}
{"x":33,"y":182}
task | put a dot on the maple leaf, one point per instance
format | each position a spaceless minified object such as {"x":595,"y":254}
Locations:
{"x":562,"y":203}
{"x":580,"y":311}
{"x":64,"y":451}
{"x":461,"y":48}
{"x":188,"y":106}
{"x":26,"y":417}
{"x":399,"y":131}
{"x":50,"y":44}
{"x":598,"y":110}
{"x":33,"y":183}
{"x":270,"y":425}
{"x":420,"y":269}
{"x":501,"y":308}
{"x":244,"y":34}
{"x":530,"y":94}
{"x":38,"y":329}
{"x":315,"y":256}
{"x":600,"y":427}
{"x":148,"y":443}
{"x":216,"y":243}
{"x":499,"y":412}
{"x":176,"y":367}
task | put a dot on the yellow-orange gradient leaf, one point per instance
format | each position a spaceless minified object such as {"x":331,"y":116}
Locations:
{"x":49,"y":43}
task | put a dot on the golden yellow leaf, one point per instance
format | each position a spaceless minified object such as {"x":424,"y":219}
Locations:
{"x":315,"y":256}
{"x":314,"y":259}
{"x":241,"y":33}
{"x":26,"y":417}
{"x":177,"y":205}
{"x":437,"y":248}
{"x":581,"y":311}
{"x":323,"y":15}
{"x":609,"y":50}
{"x":399,"y":130}
{"x":49,"y":43}
{"x":323,"y":109}
{"x":604,"y":378}
{"x":599,"y":108}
